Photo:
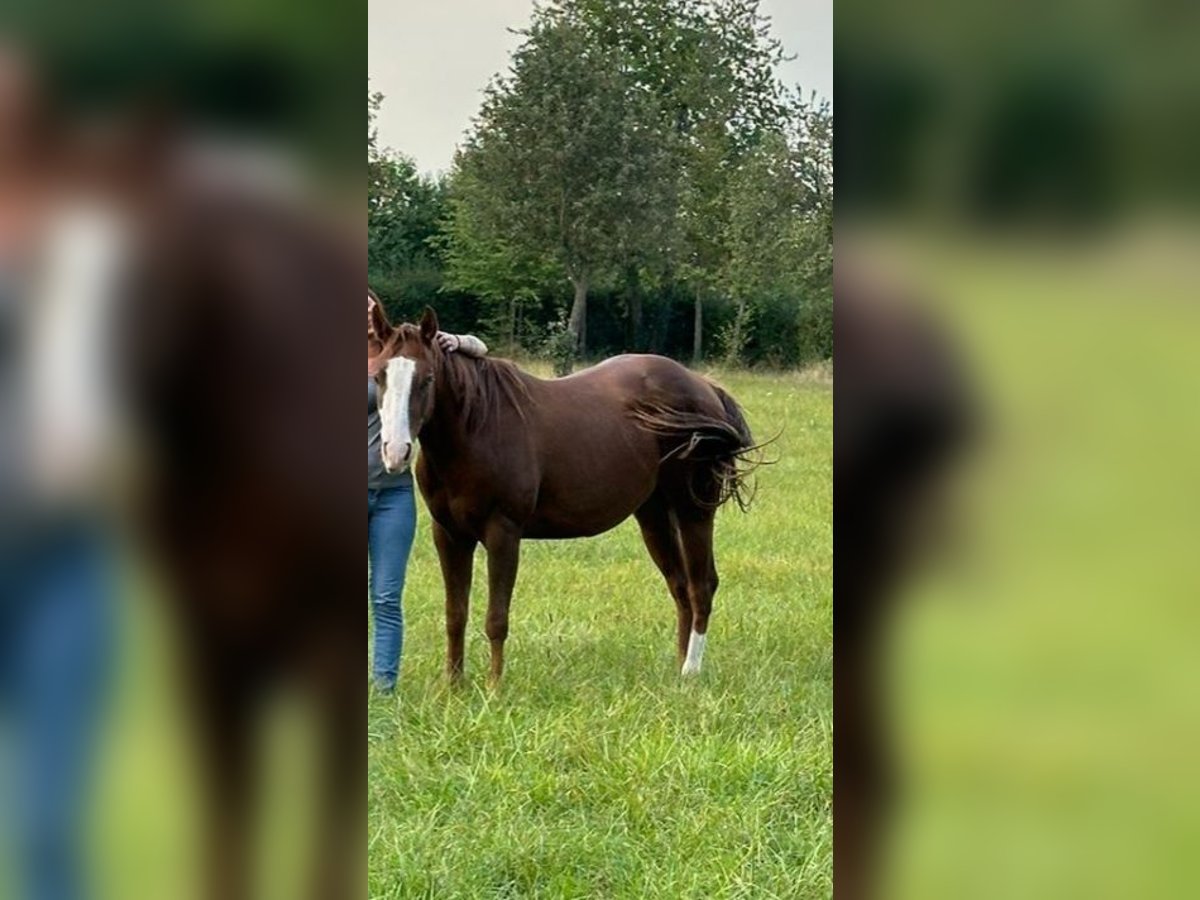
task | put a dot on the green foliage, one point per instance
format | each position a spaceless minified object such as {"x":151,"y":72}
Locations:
{"x":404,"y":215}
{"x":636,"y":154}
{"x":734,"y":336}
{"x":814,"y":337}
{"x":566,"y":171}
{"x":559,"y":346}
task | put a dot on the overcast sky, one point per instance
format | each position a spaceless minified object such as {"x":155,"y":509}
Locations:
{"x":431,"y":59}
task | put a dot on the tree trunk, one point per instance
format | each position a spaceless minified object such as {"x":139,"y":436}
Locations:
{"x":578,"y":321}
{"x":698,"y":331}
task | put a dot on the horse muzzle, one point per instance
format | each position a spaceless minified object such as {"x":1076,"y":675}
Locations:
{"x":397,"y":457}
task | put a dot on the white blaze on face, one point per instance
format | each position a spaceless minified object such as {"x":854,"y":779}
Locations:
{"x":695,"y":655}
{"x":395,"y":433}
{"x":71,"y":386}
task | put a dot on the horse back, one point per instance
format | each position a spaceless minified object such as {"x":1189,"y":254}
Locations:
{"x":597,"y":463}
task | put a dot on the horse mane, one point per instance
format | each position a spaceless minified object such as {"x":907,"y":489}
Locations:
{"x":482,"y":385}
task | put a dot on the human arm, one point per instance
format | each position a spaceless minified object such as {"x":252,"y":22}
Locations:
{"x":466,"y":344}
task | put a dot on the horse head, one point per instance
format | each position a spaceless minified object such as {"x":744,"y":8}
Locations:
{"x":403,"y":360}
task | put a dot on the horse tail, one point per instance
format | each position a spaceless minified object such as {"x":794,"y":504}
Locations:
{"x":735,"y":416}
{"x":722,"y":447}
{"x":734,"y":470}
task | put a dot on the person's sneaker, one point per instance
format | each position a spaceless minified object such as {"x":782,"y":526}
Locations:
{"x":385,"y":688}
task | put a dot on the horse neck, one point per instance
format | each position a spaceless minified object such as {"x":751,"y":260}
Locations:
{"x":449,"y":428}
{"x":445,"y":430}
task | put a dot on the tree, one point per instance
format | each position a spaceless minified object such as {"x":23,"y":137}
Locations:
{"x":404,"y":213}
{"x":779,"y":230}
{"x":643,"y":153}
{"x":567,"y":161}
{"x":486,"y":263}
{"x":811,"y":139}
{"x":726,"y":98}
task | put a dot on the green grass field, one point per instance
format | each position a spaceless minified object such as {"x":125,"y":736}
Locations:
{"x":594,"y":771}
{"x":1043,"y":671}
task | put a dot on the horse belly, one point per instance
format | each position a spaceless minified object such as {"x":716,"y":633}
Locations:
{"x":596,"y":467}
{"x":547,"y":528}
{"x":584,"y":507}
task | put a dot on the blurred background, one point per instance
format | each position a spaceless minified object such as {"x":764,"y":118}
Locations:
{"x":180,"y":223}
{"x":1021,"y":179}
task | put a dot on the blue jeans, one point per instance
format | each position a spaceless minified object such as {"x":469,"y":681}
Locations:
{"x":57,"y":625}
{"x":391,"y":525}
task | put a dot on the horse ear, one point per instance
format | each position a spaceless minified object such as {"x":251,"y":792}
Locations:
{"x":378,"y":327}
{"x":429,"y":325}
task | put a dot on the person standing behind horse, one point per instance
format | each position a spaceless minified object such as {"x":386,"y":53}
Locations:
{"x":60,"y":263}
{"x":392,"y":520}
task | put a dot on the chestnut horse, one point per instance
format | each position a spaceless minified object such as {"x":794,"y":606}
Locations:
{"x":507,"y":456}
{"x":247,"y":493}
{"x":196,"y":313}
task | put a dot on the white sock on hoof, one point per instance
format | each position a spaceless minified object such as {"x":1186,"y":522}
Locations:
{"x":695,"y":655}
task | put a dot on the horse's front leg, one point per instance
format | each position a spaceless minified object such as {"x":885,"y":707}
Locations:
{"x":503,"y":541}
{"x":342,"y":838}
{"x":457,"y":557}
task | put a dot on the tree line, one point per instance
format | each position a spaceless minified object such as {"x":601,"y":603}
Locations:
{"x":637,"y":180}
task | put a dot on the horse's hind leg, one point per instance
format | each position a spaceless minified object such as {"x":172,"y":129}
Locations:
{"x":696,"y":541}
{"x":662,"y":542}
{"x":457,"y":558}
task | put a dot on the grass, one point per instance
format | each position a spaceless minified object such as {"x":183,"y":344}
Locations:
{"x":595,"y":771}
{"x":1044,"y":676}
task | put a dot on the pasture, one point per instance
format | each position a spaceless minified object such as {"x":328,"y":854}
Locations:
{"x":595,"y":771}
